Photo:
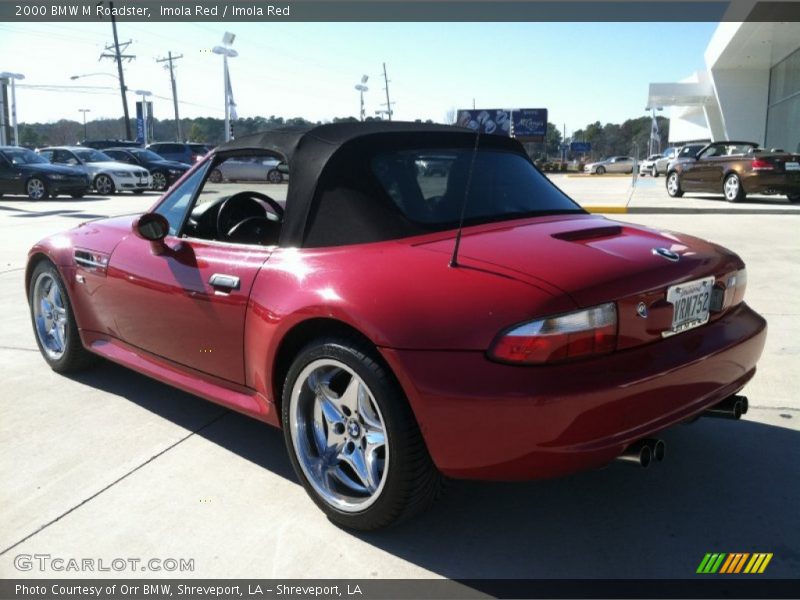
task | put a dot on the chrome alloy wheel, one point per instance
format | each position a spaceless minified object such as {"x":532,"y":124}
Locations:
{"x":672,"y":184}
{"x":35,"y":189}
{"x":104,"y":185}
{"x":731,"y":188}
{"x":50,"y":315}
{"x":159,"y":181}
{"x":339,"y":435}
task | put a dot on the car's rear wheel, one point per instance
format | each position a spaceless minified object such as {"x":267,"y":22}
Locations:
{"x":215,"y":176}
{"x":674,"y":185}
{"x":54,"y":321}
{"x":104,"y":185}
{"x":352,"y":438}
{"x":654,"y":171}
{"x":600,"y":170}
{"x":275,"y":176}
{"x":732,"y":188}
{"x":159,"y":181}
{"x":36,"y":189}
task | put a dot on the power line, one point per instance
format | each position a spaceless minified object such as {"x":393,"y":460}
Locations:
{"x":170,"y":59}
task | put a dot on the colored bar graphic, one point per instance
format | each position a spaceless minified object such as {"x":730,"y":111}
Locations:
{"x":765,"y":563}
{"x":734,"y":563}
{"x":727,"y":564}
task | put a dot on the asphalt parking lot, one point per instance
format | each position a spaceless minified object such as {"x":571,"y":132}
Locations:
{"x":109,"y":464}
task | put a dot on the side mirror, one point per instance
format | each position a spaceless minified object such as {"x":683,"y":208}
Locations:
{"x":152,"y":227}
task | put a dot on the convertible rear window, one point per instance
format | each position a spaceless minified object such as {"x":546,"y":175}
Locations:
{"x":429,"y":186}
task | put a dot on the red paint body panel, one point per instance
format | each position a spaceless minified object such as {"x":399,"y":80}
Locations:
{"x":552,"y":420}
{"x":433,"y":324}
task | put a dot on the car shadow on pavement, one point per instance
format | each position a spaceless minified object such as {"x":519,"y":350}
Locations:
{"x":725,"y":486}
{"x":253,"y":440}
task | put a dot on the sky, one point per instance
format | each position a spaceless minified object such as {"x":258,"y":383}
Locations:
{"x":580,"y":72}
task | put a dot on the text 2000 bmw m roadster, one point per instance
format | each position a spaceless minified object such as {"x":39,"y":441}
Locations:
{"x":392,"y":346}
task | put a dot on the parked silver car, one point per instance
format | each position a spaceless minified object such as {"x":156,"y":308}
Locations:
{"x":615,"y":164}
{"x":248,"y":168}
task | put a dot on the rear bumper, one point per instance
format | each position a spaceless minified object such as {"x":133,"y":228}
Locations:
{"x":775,"y":183}
{"x":483,"y":420}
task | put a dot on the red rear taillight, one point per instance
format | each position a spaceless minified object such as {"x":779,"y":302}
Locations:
{"x":762,"y":165}
{"x":562,"y":337}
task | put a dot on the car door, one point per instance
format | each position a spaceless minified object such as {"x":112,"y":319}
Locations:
{"x":11,"y":180}
{"x":707,"y":171}
{"x":187,"y":304}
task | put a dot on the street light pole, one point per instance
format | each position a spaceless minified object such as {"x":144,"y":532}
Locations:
{"x":226,"y":51}
{"x":84,"y":111}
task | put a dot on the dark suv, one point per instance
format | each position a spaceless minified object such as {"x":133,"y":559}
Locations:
{"x":185,"y":153}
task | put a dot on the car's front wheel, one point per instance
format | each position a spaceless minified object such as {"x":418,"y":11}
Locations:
{"x":654,"y":171}
{"x":600,"y":170}
{"x":793,"y":197}
{"x":54,"y":321}
{"x":674,"y":185}
{"x":104,"y":185}
{"x":215,"y":176}
{"x":352,"y":438}
{"x":275,"y":176}
{"x":159,"y":181}
{"x":732,"y":188}
{"x":36,"y":189}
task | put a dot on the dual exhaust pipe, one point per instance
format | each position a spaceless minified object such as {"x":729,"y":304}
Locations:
{"x":645,"y":451}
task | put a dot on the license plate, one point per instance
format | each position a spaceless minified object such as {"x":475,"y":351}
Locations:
{"x":792,"y":166}
{"x":691,"y":302}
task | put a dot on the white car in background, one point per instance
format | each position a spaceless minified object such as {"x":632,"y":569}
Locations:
{"x":615,"y":164}
{"x":108,"y":176}
{"x":649,"y":166}
{"x":247,"y":168}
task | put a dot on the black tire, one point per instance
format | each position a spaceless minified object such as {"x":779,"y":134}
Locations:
{"x":75,"y":357}
{"x":732,"y":188}
{"x":412,"y":482}
{"x":673,"y":184}
{"x":159,"y":180}
{"x":654,"y":171}
{"x":215,"y":176}
{"x":36,"y":189}
{"x":104,"y":185}
{"x":791,"y":197}
{"x":600,"y":170}
{"x":275,"y":176}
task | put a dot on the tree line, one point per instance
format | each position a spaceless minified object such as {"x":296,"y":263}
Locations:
{"x":631,"y":137}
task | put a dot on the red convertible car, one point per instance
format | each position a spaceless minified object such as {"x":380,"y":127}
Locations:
{"x":401,"y":326}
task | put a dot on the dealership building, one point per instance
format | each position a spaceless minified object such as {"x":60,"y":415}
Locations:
{"x":749,"y":90}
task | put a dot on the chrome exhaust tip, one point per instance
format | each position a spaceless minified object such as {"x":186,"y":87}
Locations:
{"x":657,"y":448}
{"x":730,"y":408}
{"x":637,"y":454}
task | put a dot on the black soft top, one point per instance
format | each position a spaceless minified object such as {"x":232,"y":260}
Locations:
{"x":332,"y":198}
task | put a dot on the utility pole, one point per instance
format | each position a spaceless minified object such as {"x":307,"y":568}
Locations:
{"x":119,"y":57}
{"x":388,"y":102}
{"x":170,"y":59}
